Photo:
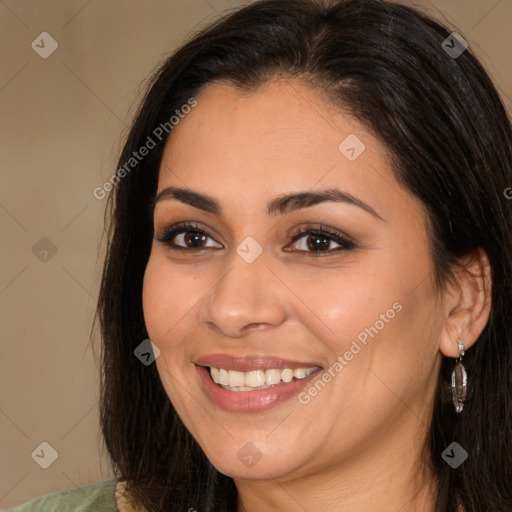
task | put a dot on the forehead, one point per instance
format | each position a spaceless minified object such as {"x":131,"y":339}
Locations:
{"x":279,"y":138}
{"x":277,"y":116}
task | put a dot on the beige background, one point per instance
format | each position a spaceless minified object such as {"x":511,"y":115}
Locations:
{"x":62,"y":121}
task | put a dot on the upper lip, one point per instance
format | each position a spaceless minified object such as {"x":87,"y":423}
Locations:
{"x":251,"y":363}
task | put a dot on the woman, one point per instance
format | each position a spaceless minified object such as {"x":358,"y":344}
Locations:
{"x":311,"y":224}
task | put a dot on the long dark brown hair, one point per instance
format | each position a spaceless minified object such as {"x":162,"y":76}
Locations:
{"x":448,"y":134}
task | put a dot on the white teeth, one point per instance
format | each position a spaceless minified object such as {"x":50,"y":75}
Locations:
{"x":214,"y":372}
{"x":272,"y":377}
{"x":287,"y":375}
{"x":236,"y":379}
{"x":256,"y":379}
{"x":223,"y":377}
{"x":299,"y":373}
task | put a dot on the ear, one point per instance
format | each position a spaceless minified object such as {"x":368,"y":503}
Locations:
{"x":467,"y":303}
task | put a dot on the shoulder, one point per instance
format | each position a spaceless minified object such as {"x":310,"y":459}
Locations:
{"x":97,"y":497}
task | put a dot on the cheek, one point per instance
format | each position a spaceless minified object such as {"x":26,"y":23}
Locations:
{"x":165,"y":305}
{"x":348,"y":305}
{"x":166,"y":299}
{"x":371,"y":320}
{"x":154,"y":300}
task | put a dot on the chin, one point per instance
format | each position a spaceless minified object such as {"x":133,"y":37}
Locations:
{"x":254,"y":460}
{"x":262,"y":469}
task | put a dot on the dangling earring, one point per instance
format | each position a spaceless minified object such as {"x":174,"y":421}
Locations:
{"x":459,"y":380}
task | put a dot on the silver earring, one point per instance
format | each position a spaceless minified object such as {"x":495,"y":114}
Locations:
{"x":459,"y":380}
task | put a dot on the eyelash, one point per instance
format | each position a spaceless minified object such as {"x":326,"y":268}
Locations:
{"x":344,"y":242}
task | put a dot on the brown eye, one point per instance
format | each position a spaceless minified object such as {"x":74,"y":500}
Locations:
{"x":316,"y":241}
{"x":191,"y":238}
{"x":186,"y":236}
{"x":319,"y":240}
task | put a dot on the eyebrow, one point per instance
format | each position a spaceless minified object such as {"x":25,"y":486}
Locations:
{"x":280,"y":205}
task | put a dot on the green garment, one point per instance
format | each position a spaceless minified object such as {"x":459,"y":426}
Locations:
{"x":97,"y":497}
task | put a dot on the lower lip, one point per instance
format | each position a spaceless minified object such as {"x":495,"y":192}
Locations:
{"x":251,"y":401}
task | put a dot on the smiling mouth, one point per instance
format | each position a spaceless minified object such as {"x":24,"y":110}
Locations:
{"x":234,"y":380}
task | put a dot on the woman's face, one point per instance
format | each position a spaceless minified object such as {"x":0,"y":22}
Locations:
{"x":241,"y":291}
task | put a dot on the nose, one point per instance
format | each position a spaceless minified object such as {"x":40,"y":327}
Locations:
{"x":246,"y":296}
